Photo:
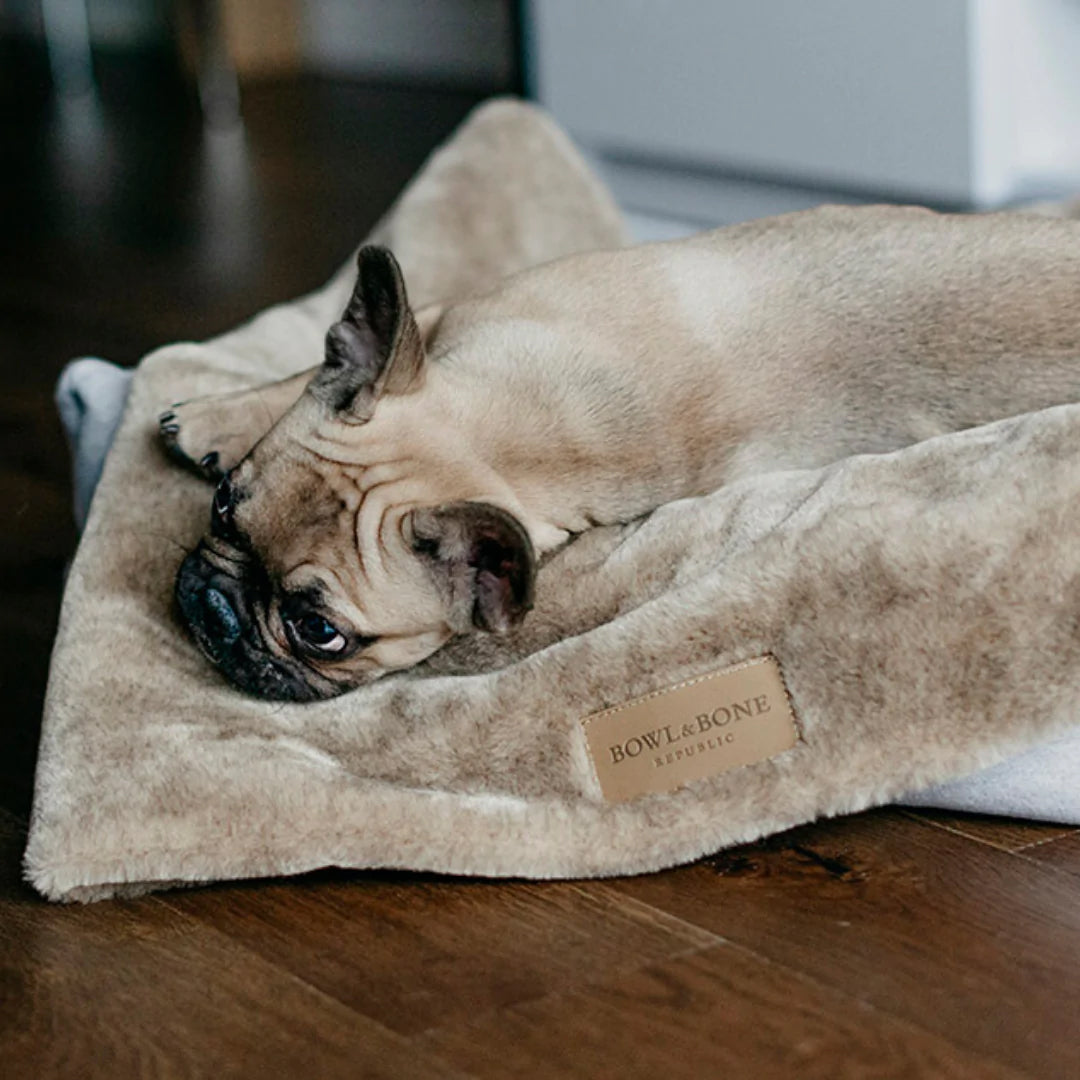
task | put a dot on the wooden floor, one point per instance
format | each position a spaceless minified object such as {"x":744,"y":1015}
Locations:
{"x":890,"y":944}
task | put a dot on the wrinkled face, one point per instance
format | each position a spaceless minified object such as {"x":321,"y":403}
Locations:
{"x":323,"y":570}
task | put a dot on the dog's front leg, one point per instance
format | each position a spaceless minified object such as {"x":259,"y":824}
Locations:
{"x":212,"y":434}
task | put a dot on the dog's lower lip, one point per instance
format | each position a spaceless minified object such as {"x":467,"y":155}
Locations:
{"x":206,"y":644}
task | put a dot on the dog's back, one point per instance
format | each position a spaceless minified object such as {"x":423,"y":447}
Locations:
{"x":672,"y":368}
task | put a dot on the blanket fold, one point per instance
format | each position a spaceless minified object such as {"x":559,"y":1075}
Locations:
{"x":920,"y":606}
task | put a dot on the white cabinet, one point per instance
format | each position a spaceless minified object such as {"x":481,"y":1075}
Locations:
{"x":962,"y":102}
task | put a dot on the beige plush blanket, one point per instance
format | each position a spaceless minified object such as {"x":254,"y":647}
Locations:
{"x":801,"y":644}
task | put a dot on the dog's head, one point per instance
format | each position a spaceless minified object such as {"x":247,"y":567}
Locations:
{"x":340,"y":548}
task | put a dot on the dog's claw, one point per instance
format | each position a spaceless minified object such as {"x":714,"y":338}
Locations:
{"x":176,"y":439}
{"x":210,"y":466}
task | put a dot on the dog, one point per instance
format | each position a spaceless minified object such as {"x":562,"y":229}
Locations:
{"x":405,"y":491}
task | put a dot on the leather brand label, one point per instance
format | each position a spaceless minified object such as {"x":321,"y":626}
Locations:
{"x":700,"y":728}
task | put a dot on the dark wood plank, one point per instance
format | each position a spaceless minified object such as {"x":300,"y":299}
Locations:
{"x":967,"y":941}
{"x":415,"y":952}
{"x":124,"y":989}
{"x":27,"y":624}
{"x":1062,"y":853}
{"x":1008,"y":834}
{"x":133,"y":218}
{"x":722,"y":1012}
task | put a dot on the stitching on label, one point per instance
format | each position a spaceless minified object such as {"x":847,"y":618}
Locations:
{"x":586,"y":720}
{"x":796,"y":726}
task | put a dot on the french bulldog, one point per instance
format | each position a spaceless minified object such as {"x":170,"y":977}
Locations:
{"x":405,"y":491}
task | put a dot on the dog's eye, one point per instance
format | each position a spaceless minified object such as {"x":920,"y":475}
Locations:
{"x":315,"y":632}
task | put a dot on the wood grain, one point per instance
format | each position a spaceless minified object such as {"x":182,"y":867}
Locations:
{"x":723,"y":1012}
{"x":959,"y":938}
{"x":129,"y":989}
{"x":1008,"y":834}
{"x":416,"y":952}
{"x":1062,"y":853}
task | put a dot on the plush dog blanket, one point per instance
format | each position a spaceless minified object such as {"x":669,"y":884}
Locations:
{"x":800,"y":644}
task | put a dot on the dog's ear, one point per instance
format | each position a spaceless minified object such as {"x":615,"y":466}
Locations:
{"x":483,"y":558}
{"x":376,"y":348}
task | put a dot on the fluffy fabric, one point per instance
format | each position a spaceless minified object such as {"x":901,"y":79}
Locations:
{"x":921,"y":605}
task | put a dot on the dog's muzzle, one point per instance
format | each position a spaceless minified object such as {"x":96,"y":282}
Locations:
{"x":214,"y":605}
{"x":210,"y":601}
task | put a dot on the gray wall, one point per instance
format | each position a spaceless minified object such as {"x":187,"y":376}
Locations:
{"x":965,"y":102}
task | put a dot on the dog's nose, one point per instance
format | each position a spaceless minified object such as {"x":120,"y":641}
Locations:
{"x":209,"y":601}
{"x":220,"y":618}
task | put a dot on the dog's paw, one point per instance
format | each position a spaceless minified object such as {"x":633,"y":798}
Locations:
{"x":190,"y":432}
